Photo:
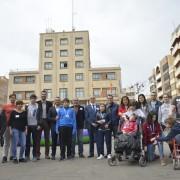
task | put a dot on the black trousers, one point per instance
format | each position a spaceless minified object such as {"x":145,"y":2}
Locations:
{"x":54,"y":137}
{"x":65,"y":136}
{"x":31,"y":130}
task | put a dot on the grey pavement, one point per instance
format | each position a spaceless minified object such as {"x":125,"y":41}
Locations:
{"x":86,"y":169}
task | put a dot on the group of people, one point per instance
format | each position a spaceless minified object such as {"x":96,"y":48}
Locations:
{"x":23,"y":125}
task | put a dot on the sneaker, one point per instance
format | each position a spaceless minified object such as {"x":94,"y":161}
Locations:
{"x":61,"y":159}
{"x":81,"y":156}
{"x":90,"y":156}
{"x":15,"y":161}
{"x":53,"y":158}
{"x":22,"y":160}
{"x":38,"y":158}
{"x":163,"y":163}
{"x":11,"y":158}
{"x":109,"y":156}
{"x":4,"y":159}
{"x":100,"y":157}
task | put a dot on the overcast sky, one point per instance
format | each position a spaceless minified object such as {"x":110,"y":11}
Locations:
{"x":134,"y":34}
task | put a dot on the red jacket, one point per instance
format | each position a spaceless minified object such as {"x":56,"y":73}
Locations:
{"x":150,"y":131}
{"x":129,"y":127}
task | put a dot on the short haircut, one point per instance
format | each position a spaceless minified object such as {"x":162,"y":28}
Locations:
{"x":110,"y":95}
{"x":33,"y":96}
{"x":43,"y":91}
{"x":170,"y":120}
{"x":19,"y":102}
{"x":11,"y":95}
{"x":66,"y":100}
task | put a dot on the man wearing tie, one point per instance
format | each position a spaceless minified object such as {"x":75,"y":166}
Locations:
{"x":90,"y":118}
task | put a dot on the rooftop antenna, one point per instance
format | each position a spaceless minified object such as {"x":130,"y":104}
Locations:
{"x":73,"y":28}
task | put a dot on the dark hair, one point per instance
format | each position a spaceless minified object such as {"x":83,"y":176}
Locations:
{"x":103,"y":105}
{"x":66,"y":100}
{"x":33,"y":96}
{"x":150,"y":116}
{"x":43,"y":91}
{"x":110,"y":95}
{"x":139,"y":103}
{"x":127,"y":100}
{"x":19,"y":102}
{"x":11,"y":95}
{"x":133,"y":103}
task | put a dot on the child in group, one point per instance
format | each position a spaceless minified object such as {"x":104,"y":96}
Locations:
{"x":104,"y":132}
{"x":151,"y":129}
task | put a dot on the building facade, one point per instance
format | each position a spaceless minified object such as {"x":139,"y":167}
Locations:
{"x":3,"y":89}
{"x":175,"y":51}
{"x":65,"y":70}
{"x":160,"y":81}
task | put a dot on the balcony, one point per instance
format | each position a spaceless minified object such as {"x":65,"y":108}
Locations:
{"x":175,"y":49}
{"x":159,"y":85}
{"x":158,"y":76}
{"x":177,"y":60}
{"x":177,"y":72}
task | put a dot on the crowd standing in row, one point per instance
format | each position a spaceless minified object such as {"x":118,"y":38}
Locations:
{"x":24,"y":126}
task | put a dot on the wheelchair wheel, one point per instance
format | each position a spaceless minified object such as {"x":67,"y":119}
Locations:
{"x":113,"y":161}
{"x":142,"y":161}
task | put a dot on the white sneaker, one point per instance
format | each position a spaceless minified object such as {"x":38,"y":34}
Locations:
{"x":109,"y":156}
{"x":100,"y":157}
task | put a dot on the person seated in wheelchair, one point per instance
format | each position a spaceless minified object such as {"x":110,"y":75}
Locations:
{"x":128,"y":135}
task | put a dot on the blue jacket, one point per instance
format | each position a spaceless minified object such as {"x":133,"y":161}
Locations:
{"x":157,"y":105}
{"x":175,"y":130}
{"x":112,"y":112}
{"x":67,"y":118}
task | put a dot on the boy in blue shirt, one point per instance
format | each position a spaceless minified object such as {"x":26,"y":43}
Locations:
{"x":66,"y":127}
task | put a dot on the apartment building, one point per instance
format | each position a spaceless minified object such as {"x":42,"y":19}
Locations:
{"x":65,"y":70}
{"x":160,"y":78}
{"x":3,"y":89}
{"x":175,"y":51}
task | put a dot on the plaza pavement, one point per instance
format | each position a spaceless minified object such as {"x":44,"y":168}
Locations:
{"x":86,"y":169}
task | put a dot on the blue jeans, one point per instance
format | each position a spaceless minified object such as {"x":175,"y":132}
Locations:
{"x":151,"y":151}
{"x":79,"y":138}
{"x":18,"y":137}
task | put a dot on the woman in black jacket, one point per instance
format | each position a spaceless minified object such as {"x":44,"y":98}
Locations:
{"x":104,"y":131}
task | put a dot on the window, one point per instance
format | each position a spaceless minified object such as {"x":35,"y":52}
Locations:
{"x":97,"y":92}
{"x":19,"y":95}
{"x":48,"y":65}
{"x":48,"y":42}
{"x":79,"y":92}
{"x":78,"y":40}
{"x":79,"y":64}
{"x":79,"y":76}
{"x":63,"y":77}
{"x":18,"y":79}
{"x":96,"y":76}
{"x":48,"y":54}
{"x":49,"y":93}
{"x":111,"y":76}
{"x":63,"y":93}
{"x":24,"y":79}
{"x":47,"y":78}
{"x":63,"y":53}
{"x":78,"y":52}
{"x":63,"y":41}
{"x":63,"y":65}
{"x":28,"y":94}
{"x":30,"y":79}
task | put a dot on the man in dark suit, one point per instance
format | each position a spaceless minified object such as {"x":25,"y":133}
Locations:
{"x":52,"y":116}
{"x":80,"y":117}
{"x":45,"y":124}
{"x":90,"y":118}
